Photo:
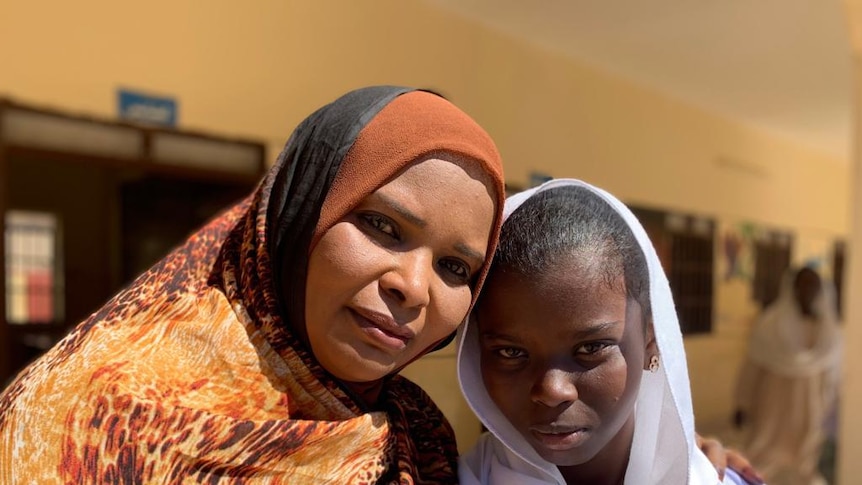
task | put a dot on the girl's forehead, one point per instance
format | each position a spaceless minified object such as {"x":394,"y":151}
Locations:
{"x":552,"y":314}
{"x":577,"y":271}
{"x":570,"y":287}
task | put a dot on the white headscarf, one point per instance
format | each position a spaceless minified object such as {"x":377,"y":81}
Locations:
{"x":663,"y":448}
{"x":778,"y":340}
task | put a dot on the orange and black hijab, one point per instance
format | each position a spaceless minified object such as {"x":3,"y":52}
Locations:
{"x":345,"y":151}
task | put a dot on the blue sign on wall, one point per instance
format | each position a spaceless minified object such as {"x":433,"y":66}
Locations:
{"x":538,"y":178}
{"x":144,"y":108}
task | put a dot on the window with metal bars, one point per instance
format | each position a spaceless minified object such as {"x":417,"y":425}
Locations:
{"x":685,"y":245}
{"x":33,"y":280}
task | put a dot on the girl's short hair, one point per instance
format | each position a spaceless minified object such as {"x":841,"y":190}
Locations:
{"x":571,"y":221}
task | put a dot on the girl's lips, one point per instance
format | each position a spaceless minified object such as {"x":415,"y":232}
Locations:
{"x":559,"y":439}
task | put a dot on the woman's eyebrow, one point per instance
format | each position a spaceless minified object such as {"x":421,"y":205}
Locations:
{"x":419,"y":222}
{"x":401,"y":210}
{"x":469,"y":252}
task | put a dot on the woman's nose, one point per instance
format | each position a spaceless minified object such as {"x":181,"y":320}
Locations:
{"x":409,"y":280}
{"x":554,"y":387}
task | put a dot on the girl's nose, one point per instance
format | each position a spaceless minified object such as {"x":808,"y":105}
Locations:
{"x":554,"y":387}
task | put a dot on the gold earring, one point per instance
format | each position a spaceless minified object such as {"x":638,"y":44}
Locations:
{"x":653,"y":363}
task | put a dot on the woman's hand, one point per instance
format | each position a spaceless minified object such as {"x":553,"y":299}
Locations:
{"x":722,"y":457}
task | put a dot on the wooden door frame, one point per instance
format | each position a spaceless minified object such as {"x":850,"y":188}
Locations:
{"x":5,"y":355}
{"x":145,"y":163}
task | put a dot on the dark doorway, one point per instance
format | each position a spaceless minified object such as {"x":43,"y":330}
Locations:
{"x":87,"y":205}
{"x":111,"y":225}
{"x":158,"y":213}
{"x":78,"y":198}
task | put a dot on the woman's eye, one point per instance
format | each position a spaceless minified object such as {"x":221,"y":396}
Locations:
{"x":380,"y":224}
{"x":510,"y":353}
{"x":456,"y":268}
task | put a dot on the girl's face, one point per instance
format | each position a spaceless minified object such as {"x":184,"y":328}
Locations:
{"x":396,"y":274}
{"x":562,"y":356}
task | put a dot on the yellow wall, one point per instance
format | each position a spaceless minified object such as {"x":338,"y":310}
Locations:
{"x":255,"y":69}
{"x":849,"y":465}
{"x":850,"y":441}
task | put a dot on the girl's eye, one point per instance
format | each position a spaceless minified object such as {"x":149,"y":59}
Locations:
{"x":511,"y":353}
{"x":457,"y":269}
{"x":380,"y":224}
{"x":591,"y":348}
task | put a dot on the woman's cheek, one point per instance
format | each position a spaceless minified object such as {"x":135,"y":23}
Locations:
{"x":348,"y":251}
{"x":452,"y":309}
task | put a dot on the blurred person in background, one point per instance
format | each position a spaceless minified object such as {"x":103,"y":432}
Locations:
{"x":788,"y":386}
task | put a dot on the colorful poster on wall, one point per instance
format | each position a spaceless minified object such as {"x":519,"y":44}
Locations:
{"x":736,"y":248}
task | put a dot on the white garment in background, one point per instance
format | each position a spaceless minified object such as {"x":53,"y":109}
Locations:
{"x":788,"y":385}
{"x":663,"y":448}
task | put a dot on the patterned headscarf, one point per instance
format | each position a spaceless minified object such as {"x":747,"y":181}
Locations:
{"x":199,"y":371}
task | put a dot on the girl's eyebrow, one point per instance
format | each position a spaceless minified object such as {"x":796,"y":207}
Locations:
{"x":600,"y":327}
{"x":590,"y":331}
{"x":498,"y":336}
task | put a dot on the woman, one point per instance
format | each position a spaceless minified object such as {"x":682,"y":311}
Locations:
{"x":788,"y":386}
{"x":264,"y":350}
{"x":574,"y":358}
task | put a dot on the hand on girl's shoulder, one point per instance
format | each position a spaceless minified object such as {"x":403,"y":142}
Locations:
{"x":731,"y":477}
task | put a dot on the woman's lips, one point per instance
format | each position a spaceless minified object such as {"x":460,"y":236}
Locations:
{"x":383,"y":328}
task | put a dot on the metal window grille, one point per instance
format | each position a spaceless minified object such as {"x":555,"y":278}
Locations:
{"x":33,"y":280}
{"x":685,"y":245}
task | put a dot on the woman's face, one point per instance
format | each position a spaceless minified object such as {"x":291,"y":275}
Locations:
{"x":562,"y":356}
{"x":395,"y":275}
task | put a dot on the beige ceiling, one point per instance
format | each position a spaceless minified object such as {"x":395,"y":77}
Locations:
{"x":781,"y":65}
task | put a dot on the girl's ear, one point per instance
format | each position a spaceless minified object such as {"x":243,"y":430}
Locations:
{"x":651,"y":354}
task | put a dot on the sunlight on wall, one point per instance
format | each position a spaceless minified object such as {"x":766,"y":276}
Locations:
{"x":255,"y":70}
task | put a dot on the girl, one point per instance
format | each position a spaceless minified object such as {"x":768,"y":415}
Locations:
{"x":574,"y":358}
